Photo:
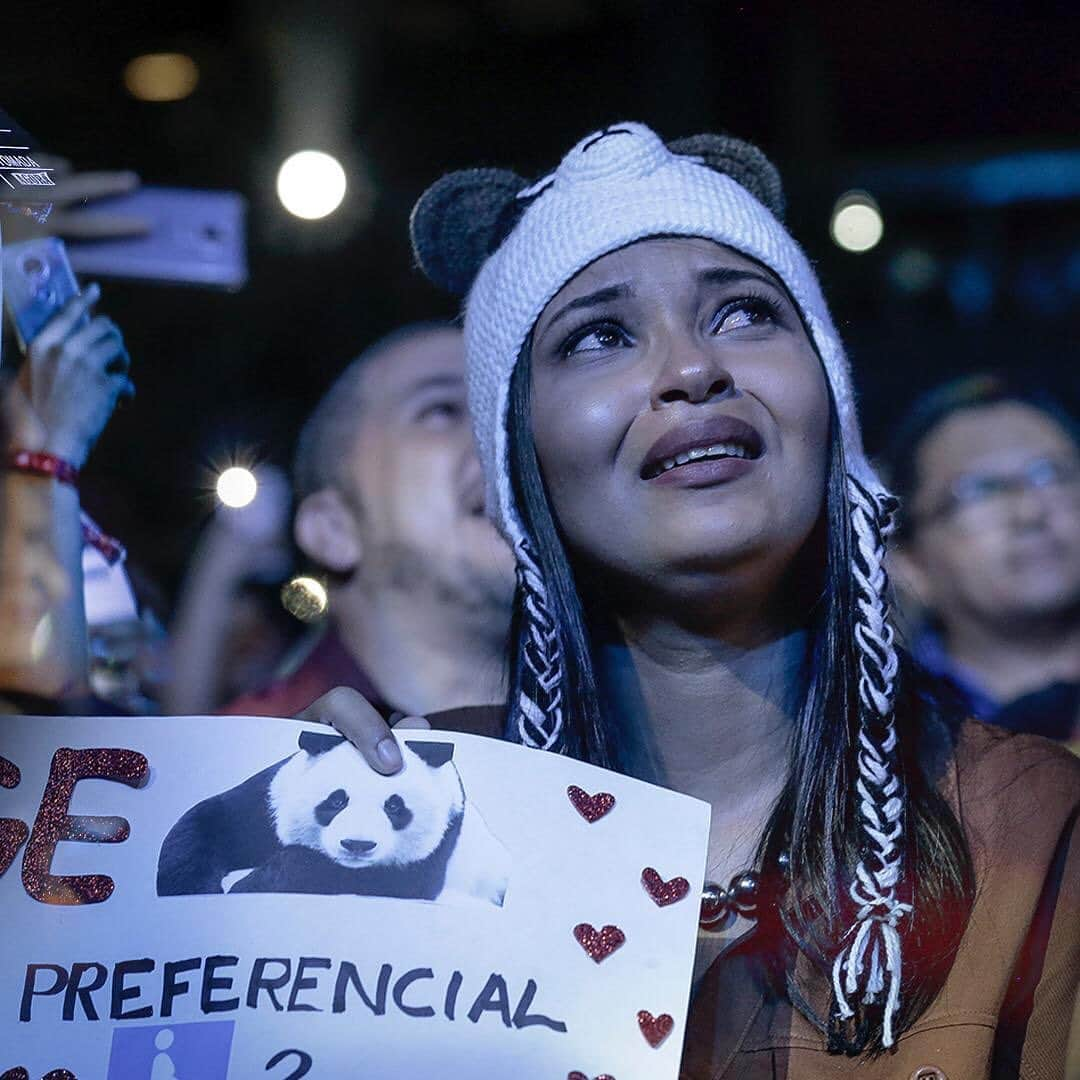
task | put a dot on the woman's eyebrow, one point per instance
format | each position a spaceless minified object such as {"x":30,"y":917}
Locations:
{"x":601,"y":296}
{"x":727,"y":275}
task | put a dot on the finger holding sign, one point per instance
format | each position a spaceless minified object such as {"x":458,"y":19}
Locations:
{"x":411,"y":723}
{"x":354,"y":717}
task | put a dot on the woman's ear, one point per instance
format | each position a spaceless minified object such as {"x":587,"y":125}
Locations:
{"x":326,"y":533}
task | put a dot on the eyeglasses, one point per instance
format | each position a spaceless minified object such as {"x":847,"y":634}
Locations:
{"x":983,"y":498}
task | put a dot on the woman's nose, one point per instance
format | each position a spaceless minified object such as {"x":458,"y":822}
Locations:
{"x":690,"y":373}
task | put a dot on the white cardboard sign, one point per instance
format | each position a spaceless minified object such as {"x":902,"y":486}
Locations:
{"x":202,"y":898}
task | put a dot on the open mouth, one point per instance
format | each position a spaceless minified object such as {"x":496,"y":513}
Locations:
{"x":708,"y":440}
{"x":699,"y":453}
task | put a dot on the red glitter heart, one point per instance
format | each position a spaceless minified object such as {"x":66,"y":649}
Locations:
{"x":9,"y":773}
{"x":590,"y":807}
{"x":599,"y":944}
{"x":575,"y":1075}
{"x":664,"y":892}
{"x":655,"y":1030}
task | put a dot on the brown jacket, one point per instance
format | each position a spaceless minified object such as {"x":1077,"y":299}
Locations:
{"x":1006,"y":1005}
{"x":1005,"y":1009}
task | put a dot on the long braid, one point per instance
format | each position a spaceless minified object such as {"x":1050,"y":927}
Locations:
{"x":540,"y":704}
{"x":872,"y":961}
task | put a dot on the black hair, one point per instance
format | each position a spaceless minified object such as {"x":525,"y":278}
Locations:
{"x":934,"y":407}
{"x":814,"y":819}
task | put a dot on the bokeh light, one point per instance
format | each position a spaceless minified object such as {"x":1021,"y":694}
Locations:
{"x":914,"y":270}
{"x":304,"y":598}
{"x":161,"y":76}
{"x":857,"y":224}
{"x":311,"y":184}
{"x":237,"y":486}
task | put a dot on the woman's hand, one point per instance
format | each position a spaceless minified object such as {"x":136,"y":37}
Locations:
{"x":75,"y":371}
{"x":350,"y":713}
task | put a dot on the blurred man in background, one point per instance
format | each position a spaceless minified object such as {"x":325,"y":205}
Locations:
{"x":989,"y":548}
{"x":390,"y":510}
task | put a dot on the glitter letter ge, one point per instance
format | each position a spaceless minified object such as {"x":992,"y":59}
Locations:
{"x":54,"y":824}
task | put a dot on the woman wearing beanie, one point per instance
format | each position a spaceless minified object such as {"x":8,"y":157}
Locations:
{"x":665,"y":417}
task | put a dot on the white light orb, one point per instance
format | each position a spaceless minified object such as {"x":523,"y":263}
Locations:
{"x":311,"y":184}
{"x":857,"y":224}
{"x":237,"y":486}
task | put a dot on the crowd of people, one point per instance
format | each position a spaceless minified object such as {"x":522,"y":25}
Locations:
{"x":624,"y":512}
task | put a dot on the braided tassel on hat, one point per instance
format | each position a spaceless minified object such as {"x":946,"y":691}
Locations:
{"x":871,"y":962}
{"x":539,"y":706}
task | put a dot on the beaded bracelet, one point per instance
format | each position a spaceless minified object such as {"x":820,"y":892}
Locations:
{"x":38,"y":463}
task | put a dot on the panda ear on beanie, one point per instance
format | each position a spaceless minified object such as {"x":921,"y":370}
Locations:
{"x":435,"y":754}
{"x":743,"y":162}
{"x":460,"y":220}
{"x":315,"y":742}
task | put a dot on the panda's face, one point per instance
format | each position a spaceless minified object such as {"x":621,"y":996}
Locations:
{"x":333,"y":802}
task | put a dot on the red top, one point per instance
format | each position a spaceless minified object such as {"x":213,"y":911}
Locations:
{"x":329,"y":664}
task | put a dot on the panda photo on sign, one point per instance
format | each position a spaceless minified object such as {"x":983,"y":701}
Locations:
{"x":320,"y":821}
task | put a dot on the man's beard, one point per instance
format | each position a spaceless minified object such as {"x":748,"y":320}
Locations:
{"x":479,"y":587}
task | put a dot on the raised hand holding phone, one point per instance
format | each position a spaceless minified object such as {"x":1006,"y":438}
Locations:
{"x":76,"y":366}
{"x":76,"y":370}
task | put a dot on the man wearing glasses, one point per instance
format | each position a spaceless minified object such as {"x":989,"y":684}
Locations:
{"x":989,"y":549}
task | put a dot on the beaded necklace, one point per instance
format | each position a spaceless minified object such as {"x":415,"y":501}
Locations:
{"x":720,"y":905}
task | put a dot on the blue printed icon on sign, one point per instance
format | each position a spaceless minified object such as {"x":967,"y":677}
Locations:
{"x":172,"y":1052}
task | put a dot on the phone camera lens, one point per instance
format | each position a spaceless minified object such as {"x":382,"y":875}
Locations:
{"x":34,"y":267}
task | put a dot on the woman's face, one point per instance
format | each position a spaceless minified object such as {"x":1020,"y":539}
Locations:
{"x":680,"y":416}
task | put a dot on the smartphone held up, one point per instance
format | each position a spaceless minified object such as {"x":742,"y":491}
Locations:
{"x":38,"y":282}
{"x":191,"y":237}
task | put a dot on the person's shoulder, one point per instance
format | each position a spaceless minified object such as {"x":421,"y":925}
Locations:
{"x":275,"y":699}
{"x":991,"y":754}
{"x":471,"y":720}
{"x":285,"y":696}
{"x":1022,"y":779}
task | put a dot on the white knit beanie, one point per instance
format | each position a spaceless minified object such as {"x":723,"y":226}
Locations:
{"x":513,"y":246}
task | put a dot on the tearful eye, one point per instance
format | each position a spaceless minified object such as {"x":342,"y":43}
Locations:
{"x":595,"y":339}
{"x":751,"y":311}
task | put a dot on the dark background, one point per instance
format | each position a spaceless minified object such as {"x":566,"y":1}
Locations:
{"x":910,"y":101}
